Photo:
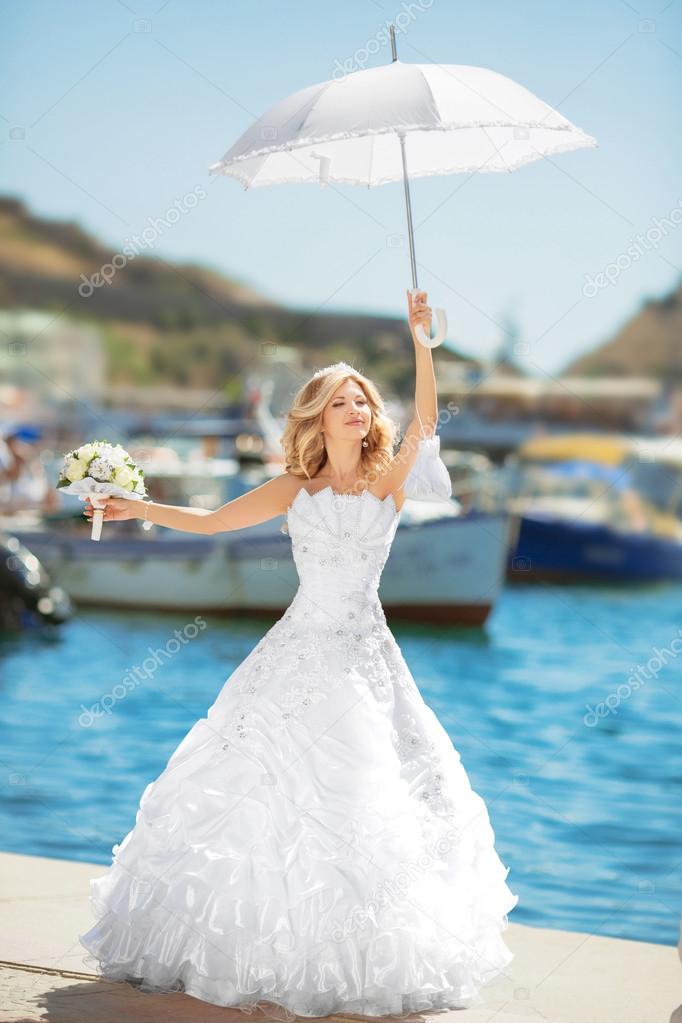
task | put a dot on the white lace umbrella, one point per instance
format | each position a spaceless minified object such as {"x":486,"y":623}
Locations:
{"x":395,"y":122}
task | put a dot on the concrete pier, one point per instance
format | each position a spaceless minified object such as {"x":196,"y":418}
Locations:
{"x":557,"y":976}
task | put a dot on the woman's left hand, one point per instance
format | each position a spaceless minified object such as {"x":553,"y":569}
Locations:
{"x":419,"y":313}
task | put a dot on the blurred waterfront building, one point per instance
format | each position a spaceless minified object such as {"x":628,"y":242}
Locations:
{"x":49,"y":363}
{"x":497,"y":409}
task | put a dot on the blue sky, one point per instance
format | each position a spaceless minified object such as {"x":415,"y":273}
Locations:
{"x":123,"y":105}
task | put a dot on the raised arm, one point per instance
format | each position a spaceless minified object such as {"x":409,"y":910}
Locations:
{"x":423,"y":423}
{"x":258,"y":505}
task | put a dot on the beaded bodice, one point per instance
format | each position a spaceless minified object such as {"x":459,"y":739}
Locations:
{"x":335,"y":628}
{"x":340,"y":543}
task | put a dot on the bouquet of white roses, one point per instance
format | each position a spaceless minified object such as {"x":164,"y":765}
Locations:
{"x":100,"y":470}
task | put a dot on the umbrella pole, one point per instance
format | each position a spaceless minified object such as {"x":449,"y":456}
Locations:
{"x":406,"y":180}
{"x":441,"y":319}
{"x":408,"y":209}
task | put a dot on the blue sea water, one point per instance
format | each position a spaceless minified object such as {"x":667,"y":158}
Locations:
{"x":566,"y":710}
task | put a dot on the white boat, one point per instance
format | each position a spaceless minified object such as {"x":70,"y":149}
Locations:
{"x":444,"y":568}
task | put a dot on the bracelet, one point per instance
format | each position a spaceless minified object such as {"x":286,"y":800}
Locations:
{"x":147,"y":524}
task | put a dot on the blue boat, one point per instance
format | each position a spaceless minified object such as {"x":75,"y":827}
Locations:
{"x":597,"y":508}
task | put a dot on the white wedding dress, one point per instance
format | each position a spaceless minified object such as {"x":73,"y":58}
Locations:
{"x":314,"y":841}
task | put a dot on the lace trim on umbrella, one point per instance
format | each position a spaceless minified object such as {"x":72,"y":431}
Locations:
{"x":226,"y":166}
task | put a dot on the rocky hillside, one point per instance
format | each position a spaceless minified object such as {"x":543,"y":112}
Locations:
{"x":650,"y":344}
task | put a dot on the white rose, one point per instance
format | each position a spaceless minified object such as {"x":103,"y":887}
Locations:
{"x":75,"y":470}
{"x":118,"y":456}
{"x":123,"y":476}
{"x":86,"y":452}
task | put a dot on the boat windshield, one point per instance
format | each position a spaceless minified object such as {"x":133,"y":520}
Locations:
{"x":659,"y":483}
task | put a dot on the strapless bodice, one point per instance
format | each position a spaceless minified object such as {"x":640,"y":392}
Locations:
{"x":340,"y":542}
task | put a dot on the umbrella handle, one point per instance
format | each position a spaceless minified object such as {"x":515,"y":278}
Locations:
{"x":441,"y":328}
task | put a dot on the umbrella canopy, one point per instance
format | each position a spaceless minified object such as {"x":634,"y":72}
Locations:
{"x":455,"y":118}
{"x":397,"y":122}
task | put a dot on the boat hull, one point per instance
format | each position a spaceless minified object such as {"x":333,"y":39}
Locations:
{"x":558,"y":550}
{"x":445,"y":571}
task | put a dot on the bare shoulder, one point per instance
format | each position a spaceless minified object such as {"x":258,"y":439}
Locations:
{"x":382,"y":490}
{"x":260,"y":504}
{"x":398,"y":499}
{"x":392,"y":479}
{"x":385,"y":492}
{"x":288,"y":486}
{"x":282,"y":489}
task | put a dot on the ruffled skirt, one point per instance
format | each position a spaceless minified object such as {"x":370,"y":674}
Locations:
{"x":324,"y":858}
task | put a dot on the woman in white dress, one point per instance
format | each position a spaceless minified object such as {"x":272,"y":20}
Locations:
{"x":314,"y":842}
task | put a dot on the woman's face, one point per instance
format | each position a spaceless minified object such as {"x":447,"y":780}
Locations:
{"x":347,"y":415}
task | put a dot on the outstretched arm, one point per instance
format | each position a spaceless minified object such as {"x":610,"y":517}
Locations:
{"x":425,"y":392}
{"x":258,"y":505}
{"x":423,"y":423}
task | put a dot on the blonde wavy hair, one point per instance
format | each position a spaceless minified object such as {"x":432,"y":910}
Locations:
{"x":302,"y":441}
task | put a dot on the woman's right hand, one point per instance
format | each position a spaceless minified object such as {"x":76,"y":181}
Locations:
{"x":419,"y":313}
{"x":116,"y":509}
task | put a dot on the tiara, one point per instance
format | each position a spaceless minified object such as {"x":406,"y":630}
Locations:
{"x":335,"y":365}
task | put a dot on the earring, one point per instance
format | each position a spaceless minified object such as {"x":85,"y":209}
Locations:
{"x":365,"y":444}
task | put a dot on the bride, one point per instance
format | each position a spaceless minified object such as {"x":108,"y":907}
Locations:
{"x":314,"y":842}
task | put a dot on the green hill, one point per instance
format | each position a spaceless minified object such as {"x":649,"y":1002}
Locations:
{"x":181,"y":324}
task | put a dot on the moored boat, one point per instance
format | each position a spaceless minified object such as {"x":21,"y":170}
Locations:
{"x":600,"y":508}
{"x":445,"y":568}
{"x":28,"y":596}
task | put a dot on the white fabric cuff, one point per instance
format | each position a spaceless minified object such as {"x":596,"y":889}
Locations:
{"x":428,"y":479}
